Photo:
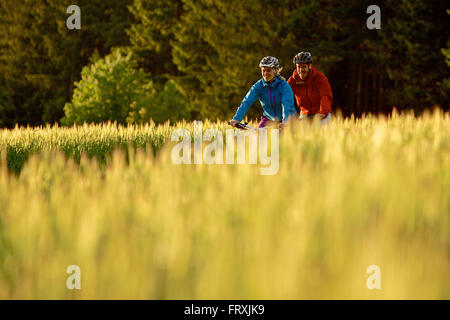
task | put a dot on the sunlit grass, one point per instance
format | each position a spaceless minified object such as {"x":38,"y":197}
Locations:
{"x":371,"y":191}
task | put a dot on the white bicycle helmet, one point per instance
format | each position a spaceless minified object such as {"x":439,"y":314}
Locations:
{"x":270,"y":62}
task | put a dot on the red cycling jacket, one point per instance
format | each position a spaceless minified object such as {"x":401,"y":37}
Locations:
{"x":314,"y":94}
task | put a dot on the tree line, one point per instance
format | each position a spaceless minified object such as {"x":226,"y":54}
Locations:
{"x":196,"y":59}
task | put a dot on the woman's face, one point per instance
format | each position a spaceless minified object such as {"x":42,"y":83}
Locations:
{"x":268,"y":73}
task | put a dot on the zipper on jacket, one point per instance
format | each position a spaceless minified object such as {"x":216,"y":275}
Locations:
{"x":271,"y":102}
{"x":307,"y":99}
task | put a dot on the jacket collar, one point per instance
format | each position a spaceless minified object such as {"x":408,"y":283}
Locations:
{"x":272,"y":84}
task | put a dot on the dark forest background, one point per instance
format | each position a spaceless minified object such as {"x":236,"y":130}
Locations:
{"x":133,"y":61}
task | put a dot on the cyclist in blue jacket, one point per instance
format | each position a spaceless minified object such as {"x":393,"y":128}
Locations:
{"x":274,"y":94}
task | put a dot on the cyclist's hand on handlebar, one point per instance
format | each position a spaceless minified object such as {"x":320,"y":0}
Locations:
{"x":233,"y":123}
{"x":319,"y":116}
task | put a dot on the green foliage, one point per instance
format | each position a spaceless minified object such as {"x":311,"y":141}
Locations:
{"x":167,"y":104}
{"x":5,"y":107}
{"x":108,"y":90}
{"x":410,"y":52}
{"x":152,"y":34}
{"x":40,"y":58}
{"x":152,"y":37}
{"x":114,"y":89}
{"x":446,"y":81}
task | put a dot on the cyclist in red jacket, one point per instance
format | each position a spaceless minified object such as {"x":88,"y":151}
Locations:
{"x":311,"y":89}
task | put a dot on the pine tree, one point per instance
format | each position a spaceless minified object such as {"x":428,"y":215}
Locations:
{"x":412,"y":40}
{"x":152,"y":33}
{"x":40,"y":59}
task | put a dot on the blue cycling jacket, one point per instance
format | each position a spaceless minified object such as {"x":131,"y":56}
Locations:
{"x":276,"y":98}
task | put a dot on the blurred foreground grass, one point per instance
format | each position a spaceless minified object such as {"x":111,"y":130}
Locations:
{"x":372,"y":191}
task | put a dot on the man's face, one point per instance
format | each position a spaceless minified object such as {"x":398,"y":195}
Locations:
{"x":268,"y":73}
{"x":303,"y":70}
